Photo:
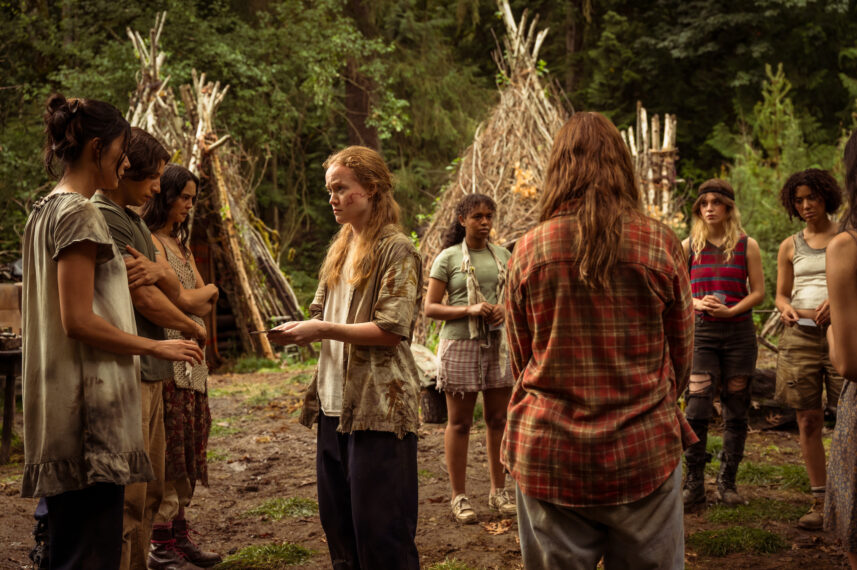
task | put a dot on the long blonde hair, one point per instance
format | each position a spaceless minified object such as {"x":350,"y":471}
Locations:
{"x":590,"y":173}
{"x":374,"y":175}
{"x":732,"y":224}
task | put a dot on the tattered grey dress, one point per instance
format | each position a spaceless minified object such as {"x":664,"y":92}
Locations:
{"x":82,"y":413}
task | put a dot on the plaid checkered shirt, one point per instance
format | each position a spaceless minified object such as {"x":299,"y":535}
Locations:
{"x":593,"y":418}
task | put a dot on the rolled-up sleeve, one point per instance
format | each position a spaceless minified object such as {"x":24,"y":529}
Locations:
{"x":397,"y":297}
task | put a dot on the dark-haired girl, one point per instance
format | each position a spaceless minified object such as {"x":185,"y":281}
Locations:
{"x":80,"y":342}
{"x":840,"y":507}
{"x":187,"y":418}
{"x":804,"y":370}
{"x":471,"y":271}
{"x":722,"y":261}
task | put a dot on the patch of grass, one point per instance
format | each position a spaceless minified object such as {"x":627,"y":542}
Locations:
{"x":265,"y":556}
{"x":450,"y":564}
{"x":227,"y":391}
{"x":425,"y":475}
{"x":222,"y":431}
{"x":785,"y":476}
{"x":300,"y":378}
{"x":722,"y":542}
{"x":264,"y":396}
{"x":212,"y":455}
{"x":714,"y":445}
{"x":757,"y":510}
{"x":252,"y":363}
{"x":296,"y":507}
{"x":11,"y":479}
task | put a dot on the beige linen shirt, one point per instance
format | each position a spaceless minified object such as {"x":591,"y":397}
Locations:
{"x":82,"y":412}
{"x":380,"y":383}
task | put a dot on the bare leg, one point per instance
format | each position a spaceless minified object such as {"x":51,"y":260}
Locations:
{"x":456,"y":438}
{"x":810,"y":424}
{"x":496,"y":401}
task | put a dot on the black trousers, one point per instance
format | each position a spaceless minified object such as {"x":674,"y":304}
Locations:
{"x":367,"y":497}
{"x":85,"y":528}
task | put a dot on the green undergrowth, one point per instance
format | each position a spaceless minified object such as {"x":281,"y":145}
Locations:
{"x":425,"y":475}
{"x":756,"y":511}
{"x":722,"y":542}
{"x":295,"y":507}
{"x":213,"y":455}
{"x":450,"y":564}
{"x":785,"y":476}
{"x":265,"y":556}
{"x":714,"y":444}
{"x":219,"y":430}
{"x":252,"y":363}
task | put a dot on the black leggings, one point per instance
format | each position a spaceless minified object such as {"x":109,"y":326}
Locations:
{"x":85,"y":528}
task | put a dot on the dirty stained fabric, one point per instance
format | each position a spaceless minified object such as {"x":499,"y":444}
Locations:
{"x":81,"y":405}
{"x":381,"y":383}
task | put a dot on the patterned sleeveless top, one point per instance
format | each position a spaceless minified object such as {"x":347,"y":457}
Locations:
{"x":186,"y":375}
{"x":710,"y":275}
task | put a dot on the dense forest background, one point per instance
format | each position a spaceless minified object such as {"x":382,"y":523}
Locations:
{"x":761,"y":88}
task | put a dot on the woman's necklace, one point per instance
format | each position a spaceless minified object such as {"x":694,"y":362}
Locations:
{"x":170,"y":242}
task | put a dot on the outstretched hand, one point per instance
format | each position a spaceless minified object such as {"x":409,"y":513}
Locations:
{"x":297,"y":332}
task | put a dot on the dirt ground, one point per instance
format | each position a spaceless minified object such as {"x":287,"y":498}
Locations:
{"x":258,"y":452}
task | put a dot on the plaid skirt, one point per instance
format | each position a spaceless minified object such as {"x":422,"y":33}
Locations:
{"x":468,"y":366}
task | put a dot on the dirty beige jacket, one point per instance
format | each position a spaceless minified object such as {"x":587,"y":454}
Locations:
{"x":381,"y":383}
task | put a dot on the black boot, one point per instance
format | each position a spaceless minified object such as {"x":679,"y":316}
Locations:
{"x":736,"y":407}
{"x":726,"y":479}
{"x":191,"y":551}
{"x":693,"y":492}
{"x":163,"y":553}
{"x":41,"y":554}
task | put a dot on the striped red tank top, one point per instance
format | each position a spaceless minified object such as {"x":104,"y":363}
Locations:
{"x":710,"y":275}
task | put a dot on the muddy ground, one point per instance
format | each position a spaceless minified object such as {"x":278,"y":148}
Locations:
{"x":258,"y":452}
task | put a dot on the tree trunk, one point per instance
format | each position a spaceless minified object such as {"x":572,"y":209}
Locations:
{"x":359,"y":89}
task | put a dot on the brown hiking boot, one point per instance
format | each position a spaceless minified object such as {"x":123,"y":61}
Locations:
{"x":814,"y":519}
{"x":163,"y":553}
{"x":192,"y":552}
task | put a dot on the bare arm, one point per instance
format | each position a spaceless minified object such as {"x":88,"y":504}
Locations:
{"x":195,"y":301}
{"x":76,"y":284}
{"x":842,"y":294}
{"x":785,"y":282}
{"x":435,"y":309}
{"x":305,"y":332}
{"x":155,"y":306}
{"x":142,"y":271}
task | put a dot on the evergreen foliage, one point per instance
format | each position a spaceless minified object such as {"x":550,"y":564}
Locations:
{"x":432,"y":80}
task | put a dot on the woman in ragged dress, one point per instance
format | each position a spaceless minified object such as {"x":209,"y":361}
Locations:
{"x":840,"y":508}
{"x":187,"y":418}
{"x":82,"y":437}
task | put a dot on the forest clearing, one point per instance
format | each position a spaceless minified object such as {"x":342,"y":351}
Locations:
{"x":262,"y":492}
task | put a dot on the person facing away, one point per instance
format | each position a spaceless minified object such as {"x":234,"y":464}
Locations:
{"x":840,"y":506}
{"x":600,"y":328}
{"x":155,"y":290}
{"x":365,"y":392}
{"x":472,"y":353}
{"x":804,"y":370}
{"x":79,"y":344}
{"x":187,"y":417}
{"x":722,"y":261}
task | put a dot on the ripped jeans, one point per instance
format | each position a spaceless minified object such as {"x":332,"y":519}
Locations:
{"x":724,"y":358}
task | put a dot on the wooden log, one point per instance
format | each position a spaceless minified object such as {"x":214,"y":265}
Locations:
{"x":233,"y":249}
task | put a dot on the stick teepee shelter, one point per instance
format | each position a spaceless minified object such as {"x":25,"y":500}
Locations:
{"x":241,"y":245}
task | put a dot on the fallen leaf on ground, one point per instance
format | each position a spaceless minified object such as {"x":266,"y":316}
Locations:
{"x":497,"y":528}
